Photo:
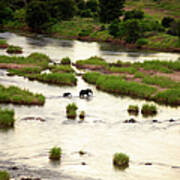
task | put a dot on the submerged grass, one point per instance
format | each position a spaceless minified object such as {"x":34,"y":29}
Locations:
{"x":6,"y":118}
{"x":15,"y":95}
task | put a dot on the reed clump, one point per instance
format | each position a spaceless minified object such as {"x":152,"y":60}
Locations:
{"x":133,"y":109}
{"x":148,"y":109}
{"x":14,"y":49}
{"x":55,"y":153}
{"x":71,"y":111}
{"x":121,"y":160}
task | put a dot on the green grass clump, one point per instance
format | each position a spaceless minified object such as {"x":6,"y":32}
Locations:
{"x":91,"y":77}
{"x":62,"y":68}
{"x":170,"y":96}
{"x":161,"y":81}
{"x":62,"y":79}
{"x":138,"y":74}
{"x":148,"y":109}
{"x":66,"y":61}
{"x":55,"y":153}
{"x":14,"y":49}
{"x":92,"y":61}
{"x":3,"y":44}
{"x":25,"y":71}
{"x":6,"y":118}
{"x":71,"y":111}
{"x":82,"y":115}
{"x":4,"y":175}
{"x":15,"y":95}
{"x":130,"y":70}
{"x":121,"y":160}
{"x":134,"y":109}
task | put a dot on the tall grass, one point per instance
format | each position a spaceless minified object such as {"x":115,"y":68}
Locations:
{"x":148,"y":109}
{"x":14,"y":49}
{"x":55,"y":153}
{"x":92,"y":61}
{"x":62,"y":79}
{"x":161,"y":81}
{"x":130,"y":70}
{"x":6,"y":118}
{"x":71,"y":111}
{"x":15,"y":95}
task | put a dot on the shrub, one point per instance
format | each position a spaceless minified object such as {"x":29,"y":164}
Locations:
{"x":82,"y":115}
{"x":166,"y":21}
{"x":14,"y":49}
{"x":114,"y":28}
{"x":148,"y":109}
{"x":133,"y":14}
{"x":3,"y":44}
{"x":55,"y":153}
{"x":66,"y":61}
{"x":6,"y":118}
{"x":121,"y":160}
{"x":4,"y":175}
{"x":140,"y":42}
{"x":133,"y":109}
{"x":71,"y":111}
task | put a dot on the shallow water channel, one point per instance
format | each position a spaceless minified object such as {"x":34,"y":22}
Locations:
{"x":101,"y":134}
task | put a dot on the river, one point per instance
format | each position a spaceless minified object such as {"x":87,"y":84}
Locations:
{"x":103,"y":132}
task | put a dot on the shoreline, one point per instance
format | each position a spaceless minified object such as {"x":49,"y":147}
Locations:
{"x":28,"y":33}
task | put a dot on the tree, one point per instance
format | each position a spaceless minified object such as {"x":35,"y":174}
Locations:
{"x":93,"y":5}
{"x":62,"y":9}
{"x":110,"y":9}
{"x":37,"y":15}
{"x":114,"y":28}
{"x":166,"y":21}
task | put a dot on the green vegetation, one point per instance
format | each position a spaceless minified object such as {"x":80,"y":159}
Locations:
{"x":161,"y":81}
{"x":61,"y":79}
{"x":15,"y":95}
{"x":71,"y":111}
{"x":133,"y":109}
{"x":148,"y":109}
{"x":116,"y":85}
{"x":55,"y":153}
{"x":66,"y":61}
{"x":14,"y":49}
{"x":37,"y":59}
{"x":130,"y":70}
{"x":82,"y":115}
{"x":3,"y":44}
{"x":62,"y":68}
{"x":6,"y":119}
{"x":92,"y":61}
{"x":121,"y":160}
{"x":4,"y":175}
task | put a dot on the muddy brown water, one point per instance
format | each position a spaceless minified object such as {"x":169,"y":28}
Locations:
{"x":102,"y":134}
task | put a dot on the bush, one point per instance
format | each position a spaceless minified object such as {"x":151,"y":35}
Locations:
{"x":166,"y":21}
{"x":55,"y":153}
{"x":148,"y":109}
{"x":114,"y":28}
{"x":121,"y":160}
{"x":14,"y":49}
{"x":82,"y":115}
{"x":66,"y":61}
{"x":71,"y":111}
{"x":4,"y":175}
{"x":133,"y":14}
{"x":133,"y":109}
{"x":6,"y":118}
{"x":140,"y":42}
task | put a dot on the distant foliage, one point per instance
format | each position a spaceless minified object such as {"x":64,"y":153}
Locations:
{"x":133,"y":14}
{"x":110,"y":10}
{"x":37,"y":15}
{"x":166,"y":21}
{"x":114,"y":28}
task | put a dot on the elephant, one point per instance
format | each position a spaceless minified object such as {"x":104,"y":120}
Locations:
{"x":85,"y":92}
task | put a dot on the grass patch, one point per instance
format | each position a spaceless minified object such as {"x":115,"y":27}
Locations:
{"x":148,"y":109}
{"x":92,"y":61}
{"x":14,"y":49}
{"x":130,"y":70}
{"x":161,"y":81}
{"x":15,"y":95}
{"x":61,"y":79}
{"x":3,"y":44}
{"x":71,"y":111}
{"x":66,"y":61}
{"x":133,"y":109}
{"x":62,"y":68}
{"x":121,"y":160}
{"x":4,"y":175}
{"x":55,"y":153}
{"x":6,"y":118}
